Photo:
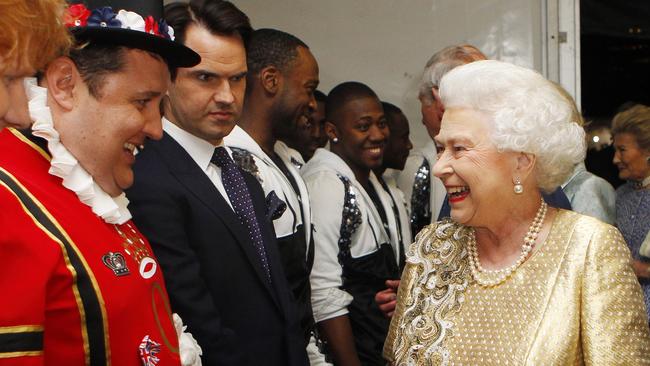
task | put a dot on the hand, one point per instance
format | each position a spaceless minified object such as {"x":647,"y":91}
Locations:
{"x":641,"y":269}
{"x":387,"y":299}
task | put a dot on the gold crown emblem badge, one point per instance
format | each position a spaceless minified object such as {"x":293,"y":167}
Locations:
{"x":116,"y":262}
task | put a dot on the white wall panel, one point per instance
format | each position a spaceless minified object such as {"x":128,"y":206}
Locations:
{"x":385,"y":43}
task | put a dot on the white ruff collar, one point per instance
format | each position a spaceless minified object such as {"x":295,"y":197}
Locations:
{"x":112,"y":210}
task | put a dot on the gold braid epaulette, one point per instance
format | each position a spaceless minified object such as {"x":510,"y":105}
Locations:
{"x":430,"y":294}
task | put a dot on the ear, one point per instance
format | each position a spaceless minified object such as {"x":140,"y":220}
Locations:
{"x":62,"y":76}
{"x":331,"y":130}
{"x":270,"y":78}
{"x":436,"y":97}
{"x":524,"y":165}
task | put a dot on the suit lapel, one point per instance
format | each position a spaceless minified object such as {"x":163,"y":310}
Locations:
{"x":268,"y":235}
{"x":188,"y":173}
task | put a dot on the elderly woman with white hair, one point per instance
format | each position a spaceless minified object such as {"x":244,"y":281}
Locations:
{"x":510,"y":280}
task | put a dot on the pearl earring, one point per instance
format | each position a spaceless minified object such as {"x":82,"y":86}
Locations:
{"x":519,"y":189}
{"x":335,"y":140}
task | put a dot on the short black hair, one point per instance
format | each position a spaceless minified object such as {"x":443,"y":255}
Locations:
{"x":272,"y":47}
{"x":391,"y":112}
{"x":390,"y":109}
{"x":320,"y":96}
{"x":343,"y":93}
{"x":218,"y":16}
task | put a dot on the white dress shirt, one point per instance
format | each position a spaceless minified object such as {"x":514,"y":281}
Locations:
{"x":402,"y":207}
{"x":273,"y":179}
{"x":326,"y":194}
{"x":201,"y":152}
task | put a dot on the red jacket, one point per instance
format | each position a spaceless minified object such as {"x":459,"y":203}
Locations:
{"x":64,"y":298}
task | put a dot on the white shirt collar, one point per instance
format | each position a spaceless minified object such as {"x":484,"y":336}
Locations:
{"x":200,"y":150}
{"x":239,"y":138}
{"x":324,"y":159}
{"x":287,"y":153}
{"x":390,"y":176}
{"x":64,"y":165}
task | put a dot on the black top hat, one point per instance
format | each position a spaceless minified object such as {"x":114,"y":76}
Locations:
{"x":130,"y":23}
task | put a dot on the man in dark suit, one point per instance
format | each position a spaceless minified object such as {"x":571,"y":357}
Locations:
{"x":207,"y":220}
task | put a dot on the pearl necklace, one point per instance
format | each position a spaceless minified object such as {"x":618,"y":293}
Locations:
{"x":489,"y":278}
{"x":645,"y":183}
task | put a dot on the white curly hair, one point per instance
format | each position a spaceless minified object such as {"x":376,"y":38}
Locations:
{"x":528,"y":114}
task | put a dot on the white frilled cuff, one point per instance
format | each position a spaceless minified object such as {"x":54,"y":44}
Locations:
{"x":189,"y":349}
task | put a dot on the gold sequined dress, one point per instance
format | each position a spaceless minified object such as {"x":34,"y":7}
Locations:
{"x":575,"y":301}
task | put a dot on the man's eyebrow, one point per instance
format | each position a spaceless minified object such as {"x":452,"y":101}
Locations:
{"x":365,"y":118}
{"x":216,"y":75}
{"x":148,"y":94}
{"x":203,"y":72}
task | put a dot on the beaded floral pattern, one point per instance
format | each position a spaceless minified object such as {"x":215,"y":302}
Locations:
{"x":438,"y":276}
{"x":350,"y":221}
{"x":246,"y":161}
{"x":420,"y":198}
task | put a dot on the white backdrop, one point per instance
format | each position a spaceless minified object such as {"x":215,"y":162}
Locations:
{"x":385,"y":43}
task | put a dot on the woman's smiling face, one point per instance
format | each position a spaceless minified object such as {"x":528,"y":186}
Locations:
{"x":476,"y":175}
{"x":630,"y":159}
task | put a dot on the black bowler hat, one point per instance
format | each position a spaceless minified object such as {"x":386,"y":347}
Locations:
{"x":130,"y":23}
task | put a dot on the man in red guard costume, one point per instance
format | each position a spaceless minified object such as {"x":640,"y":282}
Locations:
{"x":80,"y":285}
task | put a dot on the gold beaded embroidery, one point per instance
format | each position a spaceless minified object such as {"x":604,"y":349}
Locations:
{"x":575,"y":301}
{"x":439,"y":273}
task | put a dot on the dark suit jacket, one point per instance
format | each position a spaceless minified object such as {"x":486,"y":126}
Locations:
{"x":214,"y":277}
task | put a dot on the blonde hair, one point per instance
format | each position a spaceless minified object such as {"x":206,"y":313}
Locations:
{"x":635,"y":121}
{"x":32,"y":32}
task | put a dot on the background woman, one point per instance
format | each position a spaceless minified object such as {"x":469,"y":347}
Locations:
{"x":511,"y":280}
{"x":631,"y":131}
{"x":32,"y":35}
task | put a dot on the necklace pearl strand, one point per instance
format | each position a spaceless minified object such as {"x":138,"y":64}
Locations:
{"x":489,"y":278}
